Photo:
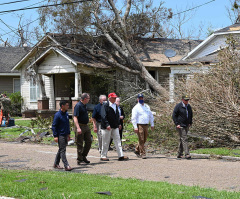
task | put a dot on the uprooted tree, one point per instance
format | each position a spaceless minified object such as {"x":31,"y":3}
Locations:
{"x":216,"y":98}
{"x":111,"y":32}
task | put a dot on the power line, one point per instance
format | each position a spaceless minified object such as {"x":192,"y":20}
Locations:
{"x":13,"y":2}
{"x":194,"y":7}
{"x":44,"y":6}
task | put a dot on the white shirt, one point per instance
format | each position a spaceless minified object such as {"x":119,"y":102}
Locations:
{"x":113,"y":105}
{"x":141,"y":114}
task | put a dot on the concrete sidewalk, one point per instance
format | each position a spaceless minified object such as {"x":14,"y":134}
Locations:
{"x":220,"y":174}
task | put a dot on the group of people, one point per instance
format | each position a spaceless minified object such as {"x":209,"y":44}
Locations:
{"x":107,"y":120}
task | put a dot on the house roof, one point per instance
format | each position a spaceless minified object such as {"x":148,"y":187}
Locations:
{"x":209,"y":59}
{"x":151,"y":50}
{"x":9,"y":56}
{"x":234,"y":27}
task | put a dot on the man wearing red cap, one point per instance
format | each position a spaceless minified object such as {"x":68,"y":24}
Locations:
{"x":110,"y":125}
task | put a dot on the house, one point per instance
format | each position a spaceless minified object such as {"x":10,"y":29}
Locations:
{"x":67,"y":72}
{"x":202,"y":57}
{"x":10,"y":80}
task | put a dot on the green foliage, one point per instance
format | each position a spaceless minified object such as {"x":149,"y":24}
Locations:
{"x":42,"y":123}
{"x":40,"y":184}
{"x":219,"y":151}
{"x":16,"y":101}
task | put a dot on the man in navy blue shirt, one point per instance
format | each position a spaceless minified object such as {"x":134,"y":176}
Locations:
{"x":96,"y":116}
{"x":82,"y":131}
{"x":61,"y":133}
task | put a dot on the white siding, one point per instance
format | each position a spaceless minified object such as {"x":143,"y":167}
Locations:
{"x":215,"y":44}
{"x":55,"y":64}
{"x":25,"y":92}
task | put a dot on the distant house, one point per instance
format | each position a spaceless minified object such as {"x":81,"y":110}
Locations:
{"x":205,"y":53}
{"x":10,"y":80}
{"x":67,"y":74}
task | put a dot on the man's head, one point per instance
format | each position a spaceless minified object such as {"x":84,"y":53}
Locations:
{"x":102,"y":98}
{"x":64,"y":105}
{"x":140,"y":98}
{"x":185,"y":99}
{"x":112,"y":97}
{"x":85,"y":97}
{"x":118,"y":100}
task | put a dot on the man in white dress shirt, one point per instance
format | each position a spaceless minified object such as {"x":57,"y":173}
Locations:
{"x":141,"y":117}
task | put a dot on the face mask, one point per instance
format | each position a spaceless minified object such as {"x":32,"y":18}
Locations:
{"x":141,"y":101}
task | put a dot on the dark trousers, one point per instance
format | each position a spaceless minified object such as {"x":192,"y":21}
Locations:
{"x":61,"y":154}
{"x":85,"y":136}
{"x":183,"y":141}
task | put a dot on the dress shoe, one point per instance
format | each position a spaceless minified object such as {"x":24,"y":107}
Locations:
{"x":137,"y":154}
{"x":68,"y":168}
{"x":57,"y":166}
{"x":104,"y":159}
{"x":188,"y":157}
{"x":86,"y":160}
{"x":144,"y":157}
{"x":110,"y":149}
{"x":123,"y":158}
{"x":179,"y":156}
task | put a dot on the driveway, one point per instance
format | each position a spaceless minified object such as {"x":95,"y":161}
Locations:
{"x":220,"y":174}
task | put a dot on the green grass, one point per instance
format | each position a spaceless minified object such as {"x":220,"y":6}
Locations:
{"x":219,"y":151}
{"x":26,"y":123}
{"x":12,"y":133}
{"x":76,"y":185}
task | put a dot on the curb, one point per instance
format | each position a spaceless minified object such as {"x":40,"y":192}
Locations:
{"x":208,"y":156}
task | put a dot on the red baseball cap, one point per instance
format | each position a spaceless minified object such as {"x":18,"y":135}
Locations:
{"x":112,"y":95}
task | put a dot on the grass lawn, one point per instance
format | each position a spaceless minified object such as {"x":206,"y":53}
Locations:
{"x":54,"y":184}
{"x":219,"y":151}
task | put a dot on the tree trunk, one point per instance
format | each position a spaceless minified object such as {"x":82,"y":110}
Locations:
{"x":44,"y":96}
{"x":153,"y":83}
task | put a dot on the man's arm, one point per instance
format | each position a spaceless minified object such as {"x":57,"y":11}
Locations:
{"x":54,"y":127}
{"x":134,"y":119}
{"x":75,"y":119}
{"x":104,"y":117}
{"x":94,"y":125}
{"x":175,"y":115}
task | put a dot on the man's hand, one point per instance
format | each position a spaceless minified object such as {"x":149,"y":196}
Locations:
{"x":69,"y":137}
{"x":178,"y":126}
{"x":136,"y":130}
{"x":121,"y":117}
{"x":152,"y":128}
{"x":79,"y":131}
{"x":120,"y":127}
{"x":109,"y":128}
{"x":95,"y":129}
{"x":56,"y":139}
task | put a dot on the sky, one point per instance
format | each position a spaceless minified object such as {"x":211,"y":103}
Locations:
{"x":213,"y":14}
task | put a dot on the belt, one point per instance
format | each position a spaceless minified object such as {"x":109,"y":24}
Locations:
{"x":82,"y":124}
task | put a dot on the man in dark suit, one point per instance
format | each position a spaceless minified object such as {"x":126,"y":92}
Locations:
{"x":182,"y":117}
{"x":110,"y":125}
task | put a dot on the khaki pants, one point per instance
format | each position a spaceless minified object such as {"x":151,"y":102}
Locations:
{"x":142,"y":138}
{"x":106,"y":136}
{"x":183,"y":142}
{"x":79,"y":138}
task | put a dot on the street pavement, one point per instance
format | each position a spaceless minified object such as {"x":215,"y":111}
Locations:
{"x":214,"y":173}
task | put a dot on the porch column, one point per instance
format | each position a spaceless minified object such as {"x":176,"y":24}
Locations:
{"x":78,"y":84}
{"x":157,"y":76}
{"x":171,"y":87}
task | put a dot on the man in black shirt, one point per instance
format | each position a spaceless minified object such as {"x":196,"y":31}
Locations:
{"x":182,"y":117}
{"x":82,"y":130}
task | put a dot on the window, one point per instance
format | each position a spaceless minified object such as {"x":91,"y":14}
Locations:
{"x":34,"y":92}
{"x":16,"y":85}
